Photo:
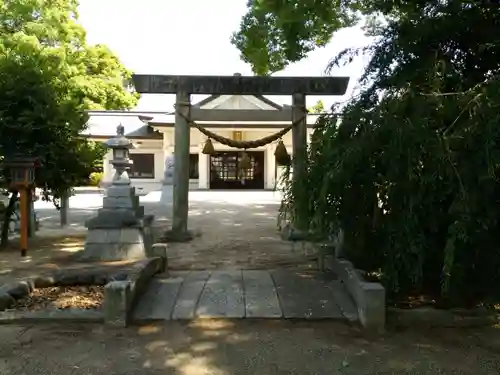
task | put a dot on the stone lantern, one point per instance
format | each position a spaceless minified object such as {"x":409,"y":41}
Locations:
{"x":120,"y":231}
{"x":121,"y":161}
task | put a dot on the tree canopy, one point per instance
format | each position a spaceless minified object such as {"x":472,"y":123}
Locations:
{"x":317,"y":108}
{"x":410,"y":171}
{"x":49,"y":76}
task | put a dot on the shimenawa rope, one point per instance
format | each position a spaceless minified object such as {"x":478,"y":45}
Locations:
{"x":241,"y":144}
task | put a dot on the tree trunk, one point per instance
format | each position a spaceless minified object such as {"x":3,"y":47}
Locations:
{"x":63,"y":212}
{"x":4,"y":238}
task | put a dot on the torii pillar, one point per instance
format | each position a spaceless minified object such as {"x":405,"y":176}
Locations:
{"x":179,"y":231}
{"x":184,"y":86}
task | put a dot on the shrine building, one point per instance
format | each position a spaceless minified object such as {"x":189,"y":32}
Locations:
{"x":152,"y":134}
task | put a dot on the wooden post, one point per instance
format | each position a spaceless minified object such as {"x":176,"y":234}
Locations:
{"x":31,"y":213}
{"x":23,"y":203}
{"x":63,"y":214}
{"x":299,"y":160}
{"x":181,"y":169}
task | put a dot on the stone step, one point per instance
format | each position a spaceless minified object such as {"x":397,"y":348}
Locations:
{"x":288,"y":294}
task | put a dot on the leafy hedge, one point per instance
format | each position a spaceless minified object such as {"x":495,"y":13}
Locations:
{"x":95,"y":178}
{"x":411,"y":170}
{"x":418,"y":200}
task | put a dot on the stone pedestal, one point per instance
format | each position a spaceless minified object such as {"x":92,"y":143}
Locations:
{"x":167,"y":194}
{"x":120,"y":231}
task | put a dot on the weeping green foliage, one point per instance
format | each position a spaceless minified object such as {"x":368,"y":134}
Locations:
{"x":411,"y":170}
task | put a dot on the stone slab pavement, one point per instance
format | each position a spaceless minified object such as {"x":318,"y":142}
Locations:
{"x":280,"y":293}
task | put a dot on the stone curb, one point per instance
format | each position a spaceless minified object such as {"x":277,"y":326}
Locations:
{"x":428,"y":317}
{"x":368,"y":297}
{"x":69,"y":315}
{"x":425,"y":317}
{"x":289,"y":233}
{"x":129,"y":286}
{"x":121,"y":297}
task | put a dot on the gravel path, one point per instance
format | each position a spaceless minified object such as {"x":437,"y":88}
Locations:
{"x":238,"y":229}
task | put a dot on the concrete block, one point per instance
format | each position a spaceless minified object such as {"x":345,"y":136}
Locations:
{"x":130,"y":235}
{"x":326,"y":262}
{"x":97,"y":236}
{"x":120,"y":191}
{"x":148,"y":236}
{"x":131,"y":251}
{"x":368,"y":297}
{"x":140,"y":279}
{"x":99,"y":251}
{"x":117,"y":301}
{"x":118,"y":202}
{"x":113,"y":235}
{"x":112,"y":218}
{"x":113,"y":252}
{"x":159,"y":250}
{"x":120,"y":231}
{"x":371,"y":306}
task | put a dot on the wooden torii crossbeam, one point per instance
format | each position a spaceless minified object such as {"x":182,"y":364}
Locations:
{"x":184,"y":86}
{"x":240,"y":85}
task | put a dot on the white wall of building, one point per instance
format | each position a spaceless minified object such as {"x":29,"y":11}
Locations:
{"x":161,"y":149}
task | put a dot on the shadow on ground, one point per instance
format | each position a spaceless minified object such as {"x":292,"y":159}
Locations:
{"x":219,"y":347}
{"x":44,"y":254}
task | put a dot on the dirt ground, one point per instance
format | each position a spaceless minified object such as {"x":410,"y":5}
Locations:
{"x":45,"y":254}
{"x":232,"y":236}
{"x":236,"y":237}
{"x":229,"y":237}
{"x":244,"y":347}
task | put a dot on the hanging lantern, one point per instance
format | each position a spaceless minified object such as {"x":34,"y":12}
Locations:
{"x":245,"y":162}
{"x":208,"y":149}
{"x":281,"y":154}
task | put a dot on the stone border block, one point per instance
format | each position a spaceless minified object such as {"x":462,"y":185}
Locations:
{"x":121,"y":297}
{"x":17,"y":289}
{"x":289,"y":233}
{"x":429,"y":317}
{"x":159,"y":250}
{"x":122,"y":291}
{"x":49,"y":316}
{"x":368,"y":297}
{"x":117,"y":300}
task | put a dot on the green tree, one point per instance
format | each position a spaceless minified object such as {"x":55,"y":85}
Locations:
{"x":49,"y":76}
{"x":412,"y":169}
{"x":273,"y":33}
{"x":317,"y":108}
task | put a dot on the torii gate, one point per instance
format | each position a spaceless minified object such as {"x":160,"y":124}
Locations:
{"x":184,"y":86}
